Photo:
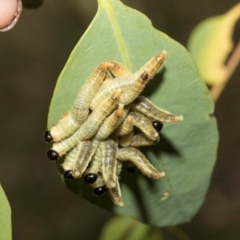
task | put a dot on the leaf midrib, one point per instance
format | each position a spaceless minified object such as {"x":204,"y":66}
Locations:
{"x":105,"y":5}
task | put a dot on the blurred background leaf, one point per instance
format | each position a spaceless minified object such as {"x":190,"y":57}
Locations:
{"x":5,"y":217}
{"x":119,"y":228}
{"x":210,"y":44}
{"x":187,"y":150}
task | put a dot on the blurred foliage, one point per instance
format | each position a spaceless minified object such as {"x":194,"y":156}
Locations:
{"x":5,"y":217}
{"x":120,"y":228}
{"x":210,"y":44}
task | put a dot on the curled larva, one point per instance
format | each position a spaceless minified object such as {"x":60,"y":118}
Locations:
{"x":110,"y":124}
{"x":150,"y":110}
{"x":80,"y":109}
{"x":145,"y":125}
{"x":140,"y":78}
{"x":139,"y":159}
{"x":141,"y":139}
{"x":87,"y":129}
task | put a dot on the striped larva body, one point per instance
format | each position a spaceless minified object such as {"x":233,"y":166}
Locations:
{"x":126,"y":127}
{"x":150,"y":110}
{"x":110,"y":124}
{"x":136,"y":81}
{"x":145,"y":125}
{"x":115,"y":193}
{"x":80,"y":109}
{"x":99,"y":132}
{"x":109,"y":149}
{"x":139,"y":159}
{"x":87,"y":129}
{"x":141,"y":139}
{"x":83,"y":156}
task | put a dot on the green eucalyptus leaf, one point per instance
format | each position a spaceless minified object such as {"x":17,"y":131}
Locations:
{"x":120,"y":228}
{"x":5,"y":217}
{"x":187,"y":150}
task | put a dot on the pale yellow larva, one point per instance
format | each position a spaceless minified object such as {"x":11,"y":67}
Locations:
{"x":109,"y":162}
{"x":110,"y":124}
{"x":87,"y":129}
{"x":141,"y":162}
{"x":126,"y":127}
{"x":145,"y":125}
{"x":140,"y":78}
{"x":150,"y":110}
{"x":141,"y":139}
{"x":83,"y":157}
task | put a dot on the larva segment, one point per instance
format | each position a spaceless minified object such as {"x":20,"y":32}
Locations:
{"x":125,"y":141}
{"x":115,"y":193}
{"x":141,"y":139}
{"x":90,"y":175}
{"x":150,"y":110}
{"x":143,"y":76}
{"x":118,"y":69}
{"x":87,"y":129}
{"x":79,"y":111}
{"x":153,"y":66}
{"x":140,"y":79}
{"x":120,"y":81}
{"x":68,"y":164}
{"x":83,"y":156}
{"x":126,"y":127}
{"x":145,"y":125}
{"x":91,"y":125}
{"x":110,"y":124}
{"x":142,"y":163}
{"x":109,"y":162}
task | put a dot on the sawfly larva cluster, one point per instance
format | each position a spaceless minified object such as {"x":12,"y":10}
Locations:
{"x":98,"y":134}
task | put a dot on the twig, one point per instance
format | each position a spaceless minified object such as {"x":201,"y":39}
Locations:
{"x":231,"y":65}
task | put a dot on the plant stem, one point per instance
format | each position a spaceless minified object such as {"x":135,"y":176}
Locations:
{"x":231,"y":65}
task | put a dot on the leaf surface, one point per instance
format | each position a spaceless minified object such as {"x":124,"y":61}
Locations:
{"x":187,"y":150}
{"x":5,"y":217}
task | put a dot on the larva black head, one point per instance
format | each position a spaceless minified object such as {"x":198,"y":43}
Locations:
{"x":144,"y":76}
{"x":100,"y":191}
{"x":68,"y":175}
{"x":157,"y":125}
{"x":90,"y":178}
{"x":52,"y":155}
{"x":131,"y":169}
{"x":47,"y":136}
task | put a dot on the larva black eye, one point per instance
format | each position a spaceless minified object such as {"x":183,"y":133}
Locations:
{"x":52,"y":154}
{"x":68,"y":175}
{"x":90,"y":178}
{"x":47,"y":136}
{"x":157,"y":125}
{"x":131,"y":169}
{"x":144,"y":76}
{"x":100,"y":191}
